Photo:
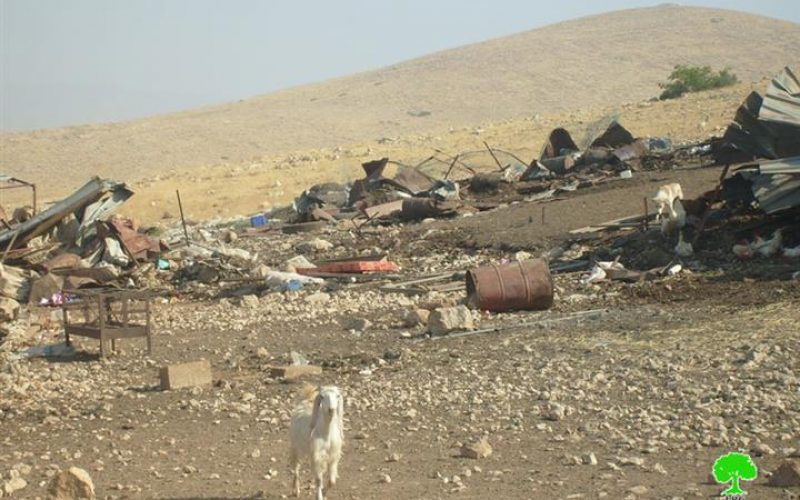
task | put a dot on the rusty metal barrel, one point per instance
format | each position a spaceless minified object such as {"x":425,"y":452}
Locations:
{"x":517,"y":286}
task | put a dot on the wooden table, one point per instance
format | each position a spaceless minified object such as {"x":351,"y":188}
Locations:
{"x":108,"y":315}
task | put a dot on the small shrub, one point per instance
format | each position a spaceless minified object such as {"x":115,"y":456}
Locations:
{"x":685,"y":79}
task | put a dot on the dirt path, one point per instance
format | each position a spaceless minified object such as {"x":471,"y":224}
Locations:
{"x":520,"y":225}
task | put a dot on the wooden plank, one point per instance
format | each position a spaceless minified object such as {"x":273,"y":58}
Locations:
{"x":84,"y":331}
{"x":406,"y":291}
{"x":603,"y":226}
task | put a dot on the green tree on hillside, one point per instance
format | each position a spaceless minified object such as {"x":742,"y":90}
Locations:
{"x":684,"y":79}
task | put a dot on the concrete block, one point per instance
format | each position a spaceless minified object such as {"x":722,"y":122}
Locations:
{"x":194,"y":374}
{"x":292,"y":372}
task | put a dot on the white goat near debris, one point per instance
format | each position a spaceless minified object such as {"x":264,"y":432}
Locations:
{"x":317,"y":433}
{"x":665,"y":198}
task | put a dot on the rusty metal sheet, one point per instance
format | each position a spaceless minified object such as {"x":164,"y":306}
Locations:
{"x":413,"y":181}
{"x":78,"y":282}
{"x":374,"y":169}
{"x":104,"y":274}
{"x":137,"y":244}
{"x":109,"y":194}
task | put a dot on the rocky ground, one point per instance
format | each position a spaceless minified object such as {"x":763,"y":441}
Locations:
{"x":620,"y":391}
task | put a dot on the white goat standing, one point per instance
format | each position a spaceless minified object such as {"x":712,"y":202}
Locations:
{"x":317,"y":432}
{"x":665,"y":198}
{"x":676,"y":220}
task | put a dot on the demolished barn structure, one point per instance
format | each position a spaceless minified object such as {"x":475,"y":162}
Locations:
{"x":765,"y":128}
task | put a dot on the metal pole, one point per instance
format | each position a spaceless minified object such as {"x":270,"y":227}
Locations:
{"x":10,"y":246}
{"x":451,"y":168}
{"x":499,"y":165}
{"x":183,"y":219}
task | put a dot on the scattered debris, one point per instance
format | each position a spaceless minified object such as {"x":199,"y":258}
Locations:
{"x":373,"y":269}
{"x":94,"y":201}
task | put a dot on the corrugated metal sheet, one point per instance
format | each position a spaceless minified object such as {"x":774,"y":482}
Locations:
{"x":765,"y":127}
{"x":774,"y":185}
{"x":776,"y":192}
{"x":98,"y":198}
{"x":782,"y":166}
{"x":782,"y":101}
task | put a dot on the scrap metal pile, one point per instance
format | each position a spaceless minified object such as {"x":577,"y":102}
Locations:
{"x":765,"y":135}
{"x":445,"y":186}
{"x":72,"y":244}
{"x":78,"y":242}
{"x":752,"y":215}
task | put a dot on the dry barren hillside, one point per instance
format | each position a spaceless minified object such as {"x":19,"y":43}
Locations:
{"x":595,"y":62}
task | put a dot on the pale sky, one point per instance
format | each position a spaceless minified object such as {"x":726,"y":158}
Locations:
{"x":86,"y":61}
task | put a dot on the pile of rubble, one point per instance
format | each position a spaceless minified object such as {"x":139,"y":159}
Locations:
{"x":78,"y":243}
{"x":73,"y":244}
{"x":765,"y":136}
{"x":471,"y":181}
